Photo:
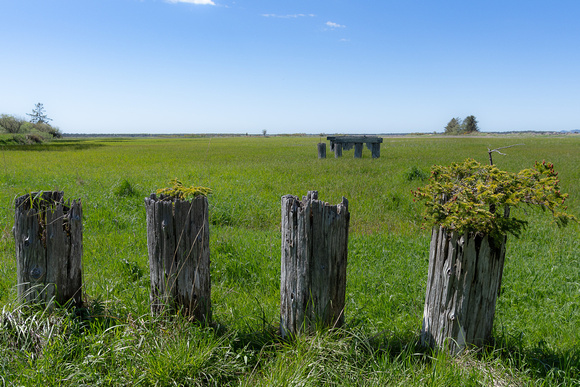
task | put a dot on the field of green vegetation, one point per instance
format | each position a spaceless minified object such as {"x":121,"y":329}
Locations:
{"x":114,"y":340}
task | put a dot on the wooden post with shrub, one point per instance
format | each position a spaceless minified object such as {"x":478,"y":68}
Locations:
{"x":468,"y":205}
{"x":48,"y":235}
{"x":178,"y":246}
{"x":314,"y":258}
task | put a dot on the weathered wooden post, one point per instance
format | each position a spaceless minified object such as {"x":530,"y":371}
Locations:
{"x":178,"y":245}
{"x":321,"y":150}
{"x":465,"y":272}
{"x":358,"y":148}
{"x":375,"y":149}
{"x":49,"y":248}
{"x":337,"y":150}
{"x":314,"y":258}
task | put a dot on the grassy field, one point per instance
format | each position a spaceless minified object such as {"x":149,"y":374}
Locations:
{"x":115,"y":341}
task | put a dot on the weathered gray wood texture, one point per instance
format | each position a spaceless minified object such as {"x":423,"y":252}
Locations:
{"x":314,"y":259}
{"x":179,"y":261}
{"x":464,"y":279}
{"x":340,"y":143}
{"x":358,"y":148}
{"x":321,"y":150}
{"x":337,"y":149}
{"x":375,"y":150}
{"x":49,"y":246}
{"x":355,"y":139}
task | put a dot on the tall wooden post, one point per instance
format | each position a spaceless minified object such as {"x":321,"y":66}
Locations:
{"x":465,"y":274}
{"x":49,"y":248}
{"x":314,"y":258}
{"x":178,"y":245}
{"x":337,"y":150}
{"x":321,"y":150}
{"x":376,"y":150}
{"x":358,"y":149}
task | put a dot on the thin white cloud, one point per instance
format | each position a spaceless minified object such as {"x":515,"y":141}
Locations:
{"x":291,"y":16}
{"x":334,"y":25}
{"x":197,"y":2}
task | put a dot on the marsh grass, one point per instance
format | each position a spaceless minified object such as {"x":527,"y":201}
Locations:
{"x":114,"y":340}
{"x":124,"y":188}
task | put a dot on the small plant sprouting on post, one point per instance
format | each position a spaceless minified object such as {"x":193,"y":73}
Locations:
{"x":179,"y":192}
{"x":468,"y":196}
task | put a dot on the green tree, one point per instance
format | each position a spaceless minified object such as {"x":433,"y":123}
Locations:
{"x":454,"y":126}
{"x":10,"y":124}
{"x":470,"y":125}
{"x":38,"y":115}
{"x":36,"y":131}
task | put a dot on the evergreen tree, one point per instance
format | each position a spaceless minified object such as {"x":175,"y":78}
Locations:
{"x":470,"y":125}
{"x":454,"y":126}
{"x":38,"y":115}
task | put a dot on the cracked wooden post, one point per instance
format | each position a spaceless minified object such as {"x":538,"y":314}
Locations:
{"x":464,"y":279}
{"x":178,"y":246}
{"x":49,"y":246}
{"x":314,"y":258}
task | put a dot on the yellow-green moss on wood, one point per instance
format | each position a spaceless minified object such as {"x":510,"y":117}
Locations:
{"x":180,"y":192}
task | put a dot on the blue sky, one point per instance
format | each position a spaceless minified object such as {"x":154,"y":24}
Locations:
{"x":317,"y":66}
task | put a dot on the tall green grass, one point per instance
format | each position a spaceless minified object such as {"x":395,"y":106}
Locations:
{"x":114,"y":340}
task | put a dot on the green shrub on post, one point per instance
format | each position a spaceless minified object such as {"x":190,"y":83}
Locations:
{"x":468,"y":204}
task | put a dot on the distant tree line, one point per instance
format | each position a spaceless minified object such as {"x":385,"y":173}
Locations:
{"x":36,"y":130}
{"x":459,"y":126}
